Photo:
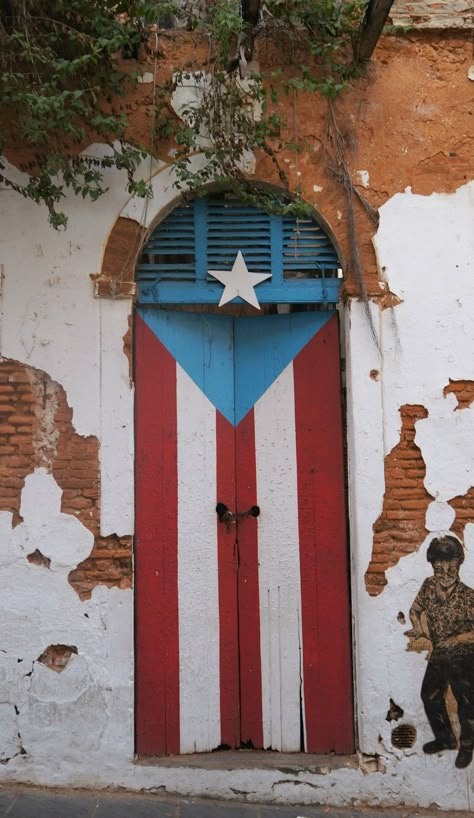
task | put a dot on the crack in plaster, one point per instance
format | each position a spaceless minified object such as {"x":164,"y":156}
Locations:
{"x":295,"y":782}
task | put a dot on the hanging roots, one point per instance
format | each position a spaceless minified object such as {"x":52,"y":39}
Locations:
{"x":335,"y":156}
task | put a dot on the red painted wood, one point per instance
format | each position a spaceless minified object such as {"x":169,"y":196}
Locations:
{"x":228,"y":601}
{"x":249,"y":605}
{"x":156,"y":564}
{"x":323,"y":551}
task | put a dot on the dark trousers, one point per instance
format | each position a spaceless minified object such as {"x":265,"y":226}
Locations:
{"x":459,"y":674}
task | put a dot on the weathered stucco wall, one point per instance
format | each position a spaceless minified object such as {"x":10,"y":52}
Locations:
{"x":435,"y":14}
{"x":66,"y":655}
{"x":425,"y":341}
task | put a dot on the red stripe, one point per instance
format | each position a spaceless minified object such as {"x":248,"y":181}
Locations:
{"x":156,"y":566}
{"x":249,"y":605}
{"x":227,"y":568}
{"x":323,"y":553}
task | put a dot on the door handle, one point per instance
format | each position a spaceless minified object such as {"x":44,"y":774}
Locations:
{"x":229,"y":517}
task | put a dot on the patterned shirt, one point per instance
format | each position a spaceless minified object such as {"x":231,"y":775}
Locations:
{"x":447,"y":617}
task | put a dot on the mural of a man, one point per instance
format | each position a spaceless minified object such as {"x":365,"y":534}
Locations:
{"x":447,"y":606}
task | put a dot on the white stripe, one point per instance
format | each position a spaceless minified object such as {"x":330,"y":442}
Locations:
{"x":279,"y":572}
{"x":197,"y":569}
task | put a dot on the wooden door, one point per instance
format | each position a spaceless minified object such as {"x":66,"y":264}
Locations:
{"x":243,"y":631}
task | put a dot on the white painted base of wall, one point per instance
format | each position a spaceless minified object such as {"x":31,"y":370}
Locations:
{"x":407,"y":781}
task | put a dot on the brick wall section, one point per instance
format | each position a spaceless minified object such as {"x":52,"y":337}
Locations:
{"x":400,"y":528}
{"x":463,"y":390}
{"x":17,"y":421}
{"x":463,"y":505}
{"x":36,"y":430}
{"x":75,"y":468}
{"x":109,"y":563}
{"x":117,"y":274}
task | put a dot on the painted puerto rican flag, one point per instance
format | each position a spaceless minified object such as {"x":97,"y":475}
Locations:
{"x":243,"y":631}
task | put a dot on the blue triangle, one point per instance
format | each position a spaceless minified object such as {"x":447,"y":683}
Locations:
{"x":233,"y":361}
{"x":264,"y":350}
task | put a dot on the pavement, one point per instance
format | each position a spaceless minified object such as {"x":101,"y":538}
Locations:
{"x":20,"y":802}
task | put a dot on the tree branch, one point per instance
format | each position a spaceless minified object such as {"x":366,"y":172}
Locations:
{"x":371,"y":29}
{"x":252,"y":15}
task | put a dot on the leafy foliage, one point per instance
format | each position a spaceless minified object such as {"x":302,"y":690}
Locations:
{"x":59,"y":75}
{"x":62,"y":69}
{"x":234,"y":113}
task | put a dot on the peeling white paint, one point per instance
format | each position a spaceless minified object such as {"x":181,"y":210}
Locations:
{"x":61,"y":537}
{"x":447,"y":446}
{"x":424,"y":341}
{"x":362,"y":177}
{"x":439,"y":516}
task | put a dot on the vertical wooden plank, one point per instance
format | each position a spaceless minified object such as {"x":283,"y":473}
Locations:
{"x":323,"y":553}
{"x":198,"y":593}
{"x":228,"y":600}
{"x":280,"y":602}
{"x":156,"y":568}
{"x":248,"y":587}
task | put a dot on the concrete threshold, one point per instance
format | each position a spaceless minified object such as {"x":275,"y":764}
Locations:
{"x":255,"y":760}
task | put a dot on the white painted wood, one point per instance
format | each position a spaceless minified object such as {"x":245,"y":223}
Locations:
{"x":280,"y":601}
{"x":197,"y":569}
{"x":116,"y":422}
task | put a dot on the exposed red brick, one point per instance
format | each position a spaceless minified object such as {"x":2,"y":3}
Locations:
{"x":463,"y":390}
{"x":117,"y":276}
{"x":36,"y":430}
{"x":400,"y":528}
{"x":57,"y":657}
{"x":109,"y":563}
{"x":463,"y":506}
{"x":37,"y":558}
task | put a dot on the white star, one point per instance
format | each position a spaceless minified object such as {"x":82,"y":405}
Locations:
{"x":239,"y":282}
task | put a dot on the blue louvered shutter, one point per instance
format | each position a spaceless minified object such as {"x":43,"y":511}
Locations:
{"x":232,"y":227}
{"x":207,"y":235}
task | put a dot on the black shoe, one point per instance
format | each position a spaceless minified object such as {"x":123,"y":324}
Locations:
{"x":464,"y":757}
{"x":437,"y":746}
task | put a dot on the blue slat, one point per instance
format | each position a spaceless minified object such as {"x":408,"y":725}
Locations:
{"x":211,"y":231}
{"x":318,"y":290}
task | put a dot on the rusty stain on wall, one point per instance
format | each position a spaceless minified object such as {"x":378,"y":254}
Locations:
{"x":36,"y":430}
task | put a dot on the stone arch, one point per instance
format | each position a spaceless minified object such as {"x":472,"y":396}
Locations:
{"x":137,"y":220}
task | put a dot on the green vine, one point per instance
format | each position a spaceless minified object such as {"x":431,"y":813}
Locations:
{"x":65,"y":64}
{"x":235,"y":113}
{"x":59,"y":77}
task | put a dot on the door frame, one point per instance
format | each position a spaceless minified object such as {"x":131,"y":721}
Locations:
{"x":348,"y":555}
